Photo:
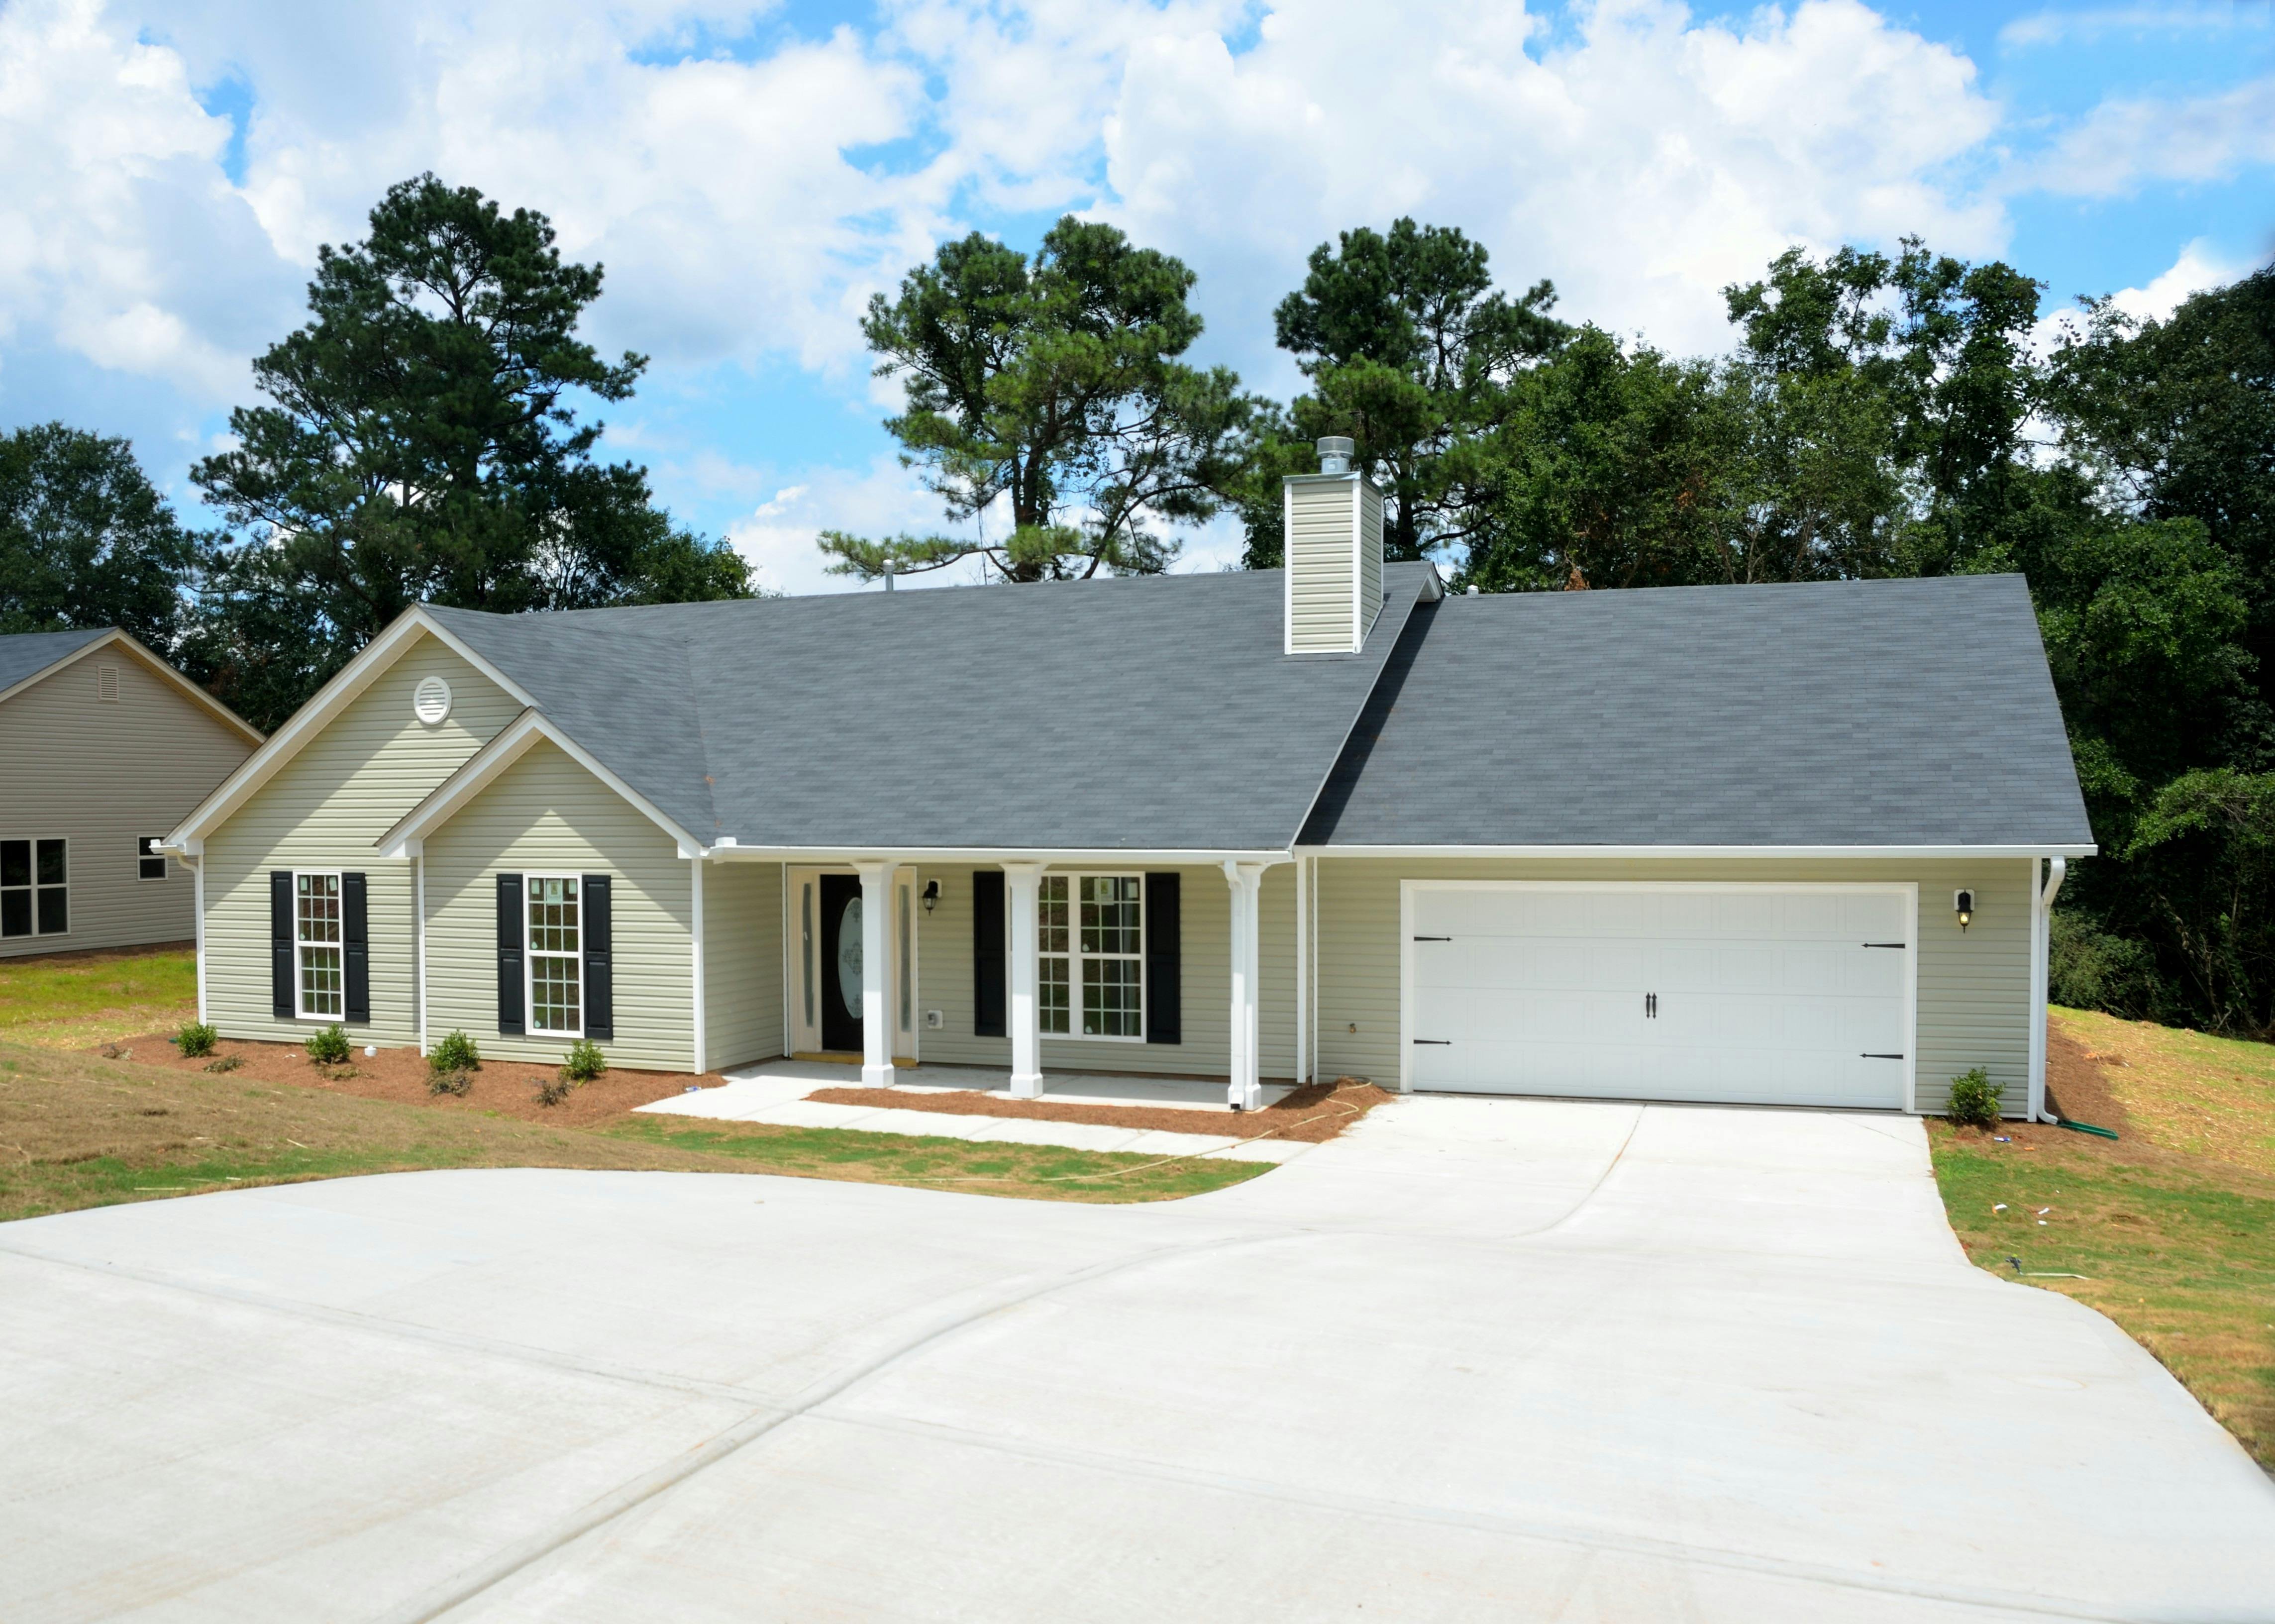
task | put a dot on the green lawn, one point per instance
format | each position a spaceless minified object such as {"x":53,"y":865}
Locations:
{"x":77,"y":1003}
{"x":2171,"y":1227}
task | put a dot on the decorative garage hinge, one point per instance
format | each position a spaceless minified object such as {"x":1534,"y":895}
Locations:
{"x":1879,"y":1057}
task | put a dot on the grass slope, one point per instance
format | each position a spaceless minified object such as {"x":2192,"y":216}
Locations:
{"x":77,"y":1130}
{"x":2172,"y":1227}
{"x":80,"y":1000}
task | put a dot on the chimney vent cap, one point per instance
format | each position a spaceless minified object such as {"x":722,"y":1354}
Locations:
{"x":1335,"y":453}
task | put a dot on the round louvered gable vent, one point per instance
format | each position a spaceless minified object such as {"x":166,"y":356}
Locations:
{"x":430,"y":701}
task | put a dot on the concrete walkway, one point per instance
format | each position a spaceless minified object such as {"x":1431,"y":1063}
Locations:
{"x":775,"y":1092}
{"x":1478,"y":1360}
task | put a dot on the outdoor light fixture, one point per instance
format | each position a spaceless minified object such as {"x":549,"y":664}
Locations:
{"x":1963,"y":903}
{"x":931,"y":894}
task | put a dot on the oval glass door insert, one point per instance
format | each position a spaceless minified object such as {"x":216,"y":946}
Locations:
{"x":849,"y":957}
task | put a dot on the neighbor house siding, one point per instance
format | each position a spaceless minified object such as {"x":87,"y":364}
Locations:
{"x":1974,"y":986}
{"x":944,"y":972}
{"x":547,"y":814}
{"x":104,"y":775}
{"x":1321,"y":556}
{"x":324,"y":809}
{"x":741,"y":963}
{"x":1370,"y":557}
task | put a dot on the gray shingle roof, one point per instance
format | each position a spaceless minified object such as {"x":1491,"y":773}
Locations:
{"x":1153,"y":713}
{"x":27,"y":653}
{"x":1914,"y":713}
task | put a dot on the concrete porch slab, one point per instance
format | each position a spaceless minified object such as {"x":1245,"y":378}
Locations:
{"x":775,"y":1092}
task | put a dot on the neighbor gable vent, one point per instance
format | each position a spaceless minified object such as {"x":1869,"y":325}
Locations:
{"x":106,"y":683}
{"x":1333,"y":549}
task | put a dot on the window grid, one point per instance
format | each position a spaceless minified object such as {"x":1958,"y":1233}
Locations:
{"x":1090,"y":955}
{"x":149,"y":863}
{"x":35,"y":887}
{"x":316,"y":938}
{"x":556,"y":956}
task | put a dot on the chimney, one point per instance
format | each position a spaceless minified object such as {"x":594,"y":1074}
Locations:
{"x":1332,"y":529}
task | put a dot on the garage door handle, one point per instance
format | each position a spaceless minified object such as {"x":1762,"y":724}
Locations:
{"x":1886,"y":944}
{"x":1442,"y":1043}
{"x":1879,"y":1057}
{"x":1433,"y":938}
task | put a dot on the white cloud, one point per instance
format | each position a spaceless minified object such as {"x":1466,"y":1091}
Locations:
{"x":2095,"y":22}
{"x":2126,"y":142}
{"x":777,"y":536}
{"x":2200,"y":267}
{"x":1642,"y":163}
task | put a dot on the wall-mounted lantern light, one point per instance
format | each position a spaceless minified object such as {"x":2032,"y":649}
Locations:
{"x":931,"y":894}
{"x":1963,"y":903}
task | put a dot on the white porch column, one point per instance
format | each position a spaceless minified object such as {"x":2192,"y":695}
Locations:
{"x":1245,"y":1092}
{"x":1021,"y":881}
{"x":876,"y":967}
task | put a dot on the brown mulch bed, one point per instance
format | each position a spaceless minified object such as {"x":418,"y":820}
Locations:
{"x":500,"y":1088}
{"x":1312,"y":1114}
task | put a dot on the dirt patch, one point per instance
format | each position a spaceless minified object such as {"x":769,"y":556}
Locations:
{"x":500,"y":1088}
{"x":1311,"y":1116}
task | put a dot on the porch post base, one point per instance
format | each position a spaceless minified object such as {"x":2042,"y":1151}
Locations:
{"x":876,"y":1076}
{"x":1026,"y":1087}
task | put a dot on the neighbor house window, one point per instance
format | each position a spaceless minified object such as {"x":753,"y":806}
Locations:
{"x":1090,"y":940}
{"x":556,"y":956}
{"x":149,"y":862}
{"x":35,"y":887}
{"x":316,"y":945}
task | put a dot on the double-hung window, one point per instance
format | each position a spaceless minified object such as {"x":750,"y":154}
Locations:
{"x":35,"y":887}
{"x":316,"y":945}
{"x":555,"y":956}
{"x":1092,"y":945}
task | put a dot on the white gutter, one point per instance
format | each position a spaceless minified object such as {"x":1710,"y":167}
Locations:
{"x":729,"y":851}
{"x":2041,"y":953}
{"x":1577,"y":852}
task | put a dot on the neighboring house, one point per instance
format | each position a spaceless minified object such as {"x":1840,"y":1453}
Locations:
{"x":1788,"y":845}
{"x":103,"y":748}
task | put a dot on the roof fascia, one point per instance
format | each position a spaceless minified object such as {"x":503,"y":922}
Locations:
{"x":1581,"y":852}
{"x":311,"y":718}
{"x":1100,"y":856}
{"x":485,"y":765}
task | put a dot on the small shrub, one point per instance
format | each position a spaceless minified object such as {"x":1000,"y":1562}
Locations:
{"x":329,"y":1046}
{"x":455,"y":1053}
{"x":456,"y":1083}
{"x":227,"y":1062}
{"x":585,"y":1061}
{"x":197,"y":1039}
{"x":1973,"y":1101}
{"x":553,"y":1090}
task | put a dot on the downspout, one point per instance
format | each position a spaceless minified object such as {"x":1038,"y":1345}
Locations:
{"x":2041,"y":955}
{"x":198,"y":876}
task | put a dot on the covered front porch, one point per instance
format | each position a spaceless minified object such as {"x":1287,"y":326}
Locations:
{"x":1150,"y":978}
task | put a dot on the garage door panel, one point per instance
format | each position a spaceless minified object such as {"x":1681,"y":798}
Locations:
{"x":1769,"y":995}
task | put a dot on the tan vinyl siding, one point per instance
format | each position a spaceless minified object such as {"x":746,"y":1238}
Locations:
{"x":1974,"y":986}
{"x":944,"y":972}
{"x":1370,"y":557}
{"x":323,"y":809}
{"x":1321,"y":556}
{"x":546,"y":815}
{"x":102,"y":774}
{"x":741,"y":963}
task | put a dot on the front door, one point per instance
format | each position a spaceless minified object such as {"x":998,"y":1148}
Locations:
{"x":841,"y":962}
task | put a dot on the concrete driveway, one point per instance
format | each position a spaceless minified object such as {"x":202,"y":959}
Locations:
{"x":1483,"y":1359}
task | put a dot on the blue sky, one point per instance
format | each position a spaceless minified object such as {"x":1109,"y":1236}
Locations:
{"x":749,"y":176}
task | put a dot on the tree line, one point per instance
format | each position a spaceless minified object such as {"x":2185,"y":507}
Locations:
{"x":1875,"y":415}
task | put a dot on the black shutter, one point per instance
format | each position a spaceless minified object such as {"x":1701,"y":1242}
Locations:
{"x":355,"y":944}
{"x":509,"y":958}
{"x":280,"y":945}
{"x":1165,"y":1006}
{"x":600,"y":960}
{"x":987,"y":999}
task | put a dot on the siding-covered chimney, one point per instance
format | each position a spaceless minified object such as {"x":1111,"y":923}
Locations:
{"x":1333,"y":532}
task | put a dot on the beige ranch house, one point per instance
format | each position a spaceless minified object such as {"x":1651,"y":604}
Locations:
{"x":103,"y":748}
{"x":1789,"y":844}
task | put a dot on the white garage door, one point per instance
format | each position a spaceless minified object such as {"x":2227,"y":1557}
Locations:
{"x":1758,"y":994}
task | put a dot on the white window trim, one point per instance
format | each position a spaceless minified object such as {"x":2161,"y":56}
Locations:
{"x":1074,"y":955}
{"x":35,"y":887}
{"x":301,"y":1010}
{"x":529,"y":962}
{"x":142,"y":857}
